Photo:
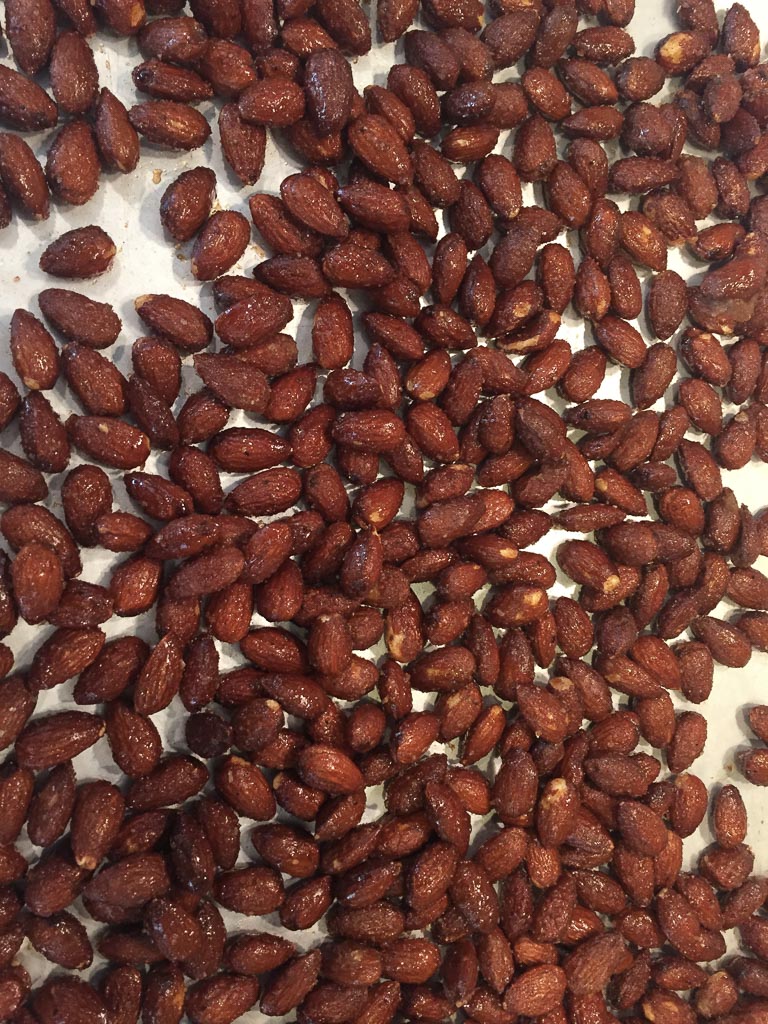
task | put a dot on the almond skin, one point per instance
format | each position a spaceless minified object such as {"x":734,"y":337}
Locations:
{"x":110,"y":441}
{"x":329,"y":87}
{"x":38,"y":581}
{"x":33,"y":351}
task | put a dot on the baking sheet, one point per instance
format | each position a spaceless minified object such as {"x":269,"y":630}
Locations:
{"x":127,"y":208}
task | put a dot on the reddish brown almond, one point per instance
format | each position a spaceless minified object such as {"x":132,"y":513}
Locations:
{"x":289,"y":986}
{"x":181,"y":323}
{"x":235,"y":383}
{"x":380,"y":148}
{"x":62,"y":939}
{"x":23,"y":104}
{"x":96,"y":819}
{"x":174,"y":780}
{"x":169,"y":124}
{"x":81,"y":253}
{"x":537,"y":991}
{"x":251,"y":891}
{"x":38,"y":581}
{"x":221,"y":999}
{"x":186,"y":203}
{"x":57,"y":738}
{"x":134,"y":741}
{"x":243,"y":144}
{"x":79,"y":318}
{"x":131,"y":882}
{"x":113,"y":442}
{"x":329,"y":90}
{"x":68,"y":1000}
{"x":329,"y":769}
{"x":72,"y":165}
{"x":95,"y":380}
{"x":273,"y":101}
{"x":22,"y":176}
{"x":254,"y":318}
{"x":244,"y":787}
{"x":74,"y":76}
{"x":220,"y":244}
{"x":116,"y":137}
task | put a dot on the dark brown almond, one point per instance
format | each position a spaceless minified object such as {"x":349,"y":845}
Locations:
{"x":72,"y":165}
{"x":56,"y":738}
{"x":116,"y":137}
{"x":23,"y":104}
{"x":186,"y":203}
{"x":74,"y":76}
{"x":169,"y":124}
{"x":22,"y":176}
{"x":79,"y":318}
{"x":80,"y":253}
{"x":181,"y":323}
{"x":110,"y":441}
{"x":220,"y":244}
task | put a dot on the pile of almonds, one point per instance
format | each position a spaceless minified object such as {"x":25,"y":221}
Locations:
{"x":529,"y":864}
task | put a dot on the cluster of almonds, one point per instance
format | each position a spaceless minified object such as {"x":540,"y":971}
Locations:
{"x":572,"y":906}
